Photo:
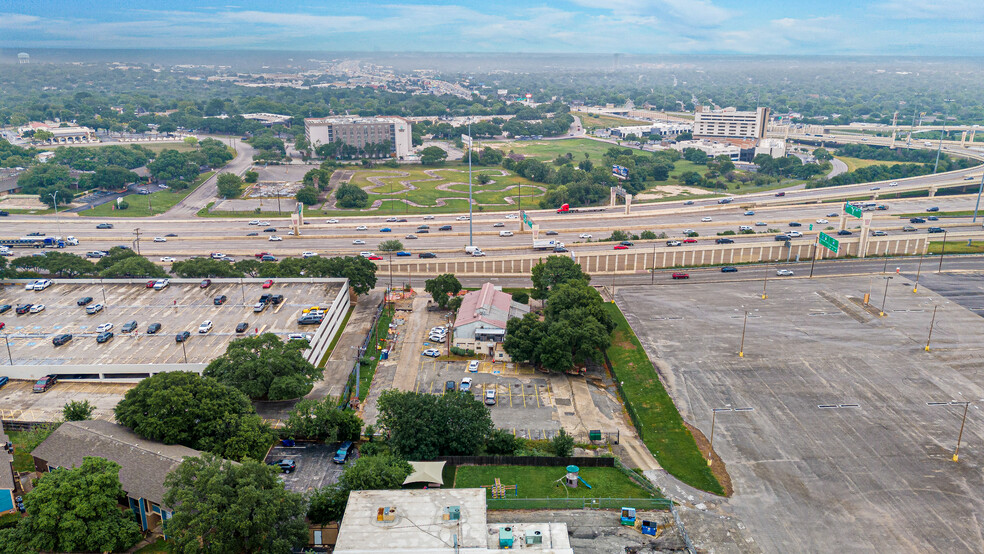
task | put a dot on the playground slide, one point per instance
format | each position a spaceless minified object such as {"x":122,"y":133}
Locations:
{"x":583,"y":481}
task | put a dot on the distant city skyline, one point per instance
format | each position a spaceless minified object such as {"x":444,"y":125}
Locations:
{"x":878,"y":27}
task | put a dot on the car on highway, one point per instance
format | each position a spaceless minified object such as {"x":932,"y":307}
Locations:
{"x":182,"y":336}
{"x":444,"y":228}
{"x":678,"y":275}
{"x":794,"y":234}
{"x":254,"y":222}
{"x":361,"y":228}
{"x":160,"y":239}
{"x":729,"y":269}
{"x":268,"y":283}
{"x":780,"y":194}
{"x":104,"y":226}
{"x":44,"y":383}
{"x":780,"y":238}
{"x":917,"y":220}
{"x":37,"y":308}
{"x":275,"y":238}
{"x":505,"y":233}
{"x":241,"y":328}
{"x":153,"y":328}
{"x":358,"y":241}
{"x":462,"y":218}
{"x":875,"y":188}
{"x":879,"y":233}
{"x":621,"y":247}
{"x":933,"y":209}
{"x":167,"y":259}
{"x":930,"y":230}
{"x":833,"y":214}
{"x":724,"y":241}
{"x":706,"y":218}
{"x":431,"y":352}
{"x":844,"y":232}
{"x":674,"y":243}
{"x":403,"y":253}
{"x":822,"y":221}
{"x":893,"y":184}
{"x":61,"y":339}
{"x":309,"y":254}
{"x":932,"y":218}
{"x":465,"y":385}
{"x":881,"y":207}
{"x":220,"y":300}
{"x":375,"y":257}
{"x":268,"y":258}
{"x":270,"y":230}
{"x":386,"y":230}
{"x":498,"y":224}
{"x":688,"y":203}
{"x":427,"y":255}
{"x":761,"y":224}
{"x":908,"y":228}
{"x":749,"y":212}
{"x":205,"y":327}
{"x":333,"y":220}
{"x":795,"y":224}
{"x":205,"y":284}
{"x":365,"y":254}
{"x":264,"y":224}
{"x":784,"y":272}
{"x":84,"y":301}
{"x":252,"y":234}
{"x":584,"y":236}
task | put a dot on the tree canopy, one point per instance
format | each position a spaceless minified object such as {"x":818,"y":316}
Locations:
{"x":224,"y":507}
{"x":265,"y":367}
{"x":350,"y":196}
{"x":443,"y":288}
{"x":198,"y":412}
{"x":322,"y":420}
{"x":229,"y":185}
{"x":424,"y":426}
{"x":556,"y":270}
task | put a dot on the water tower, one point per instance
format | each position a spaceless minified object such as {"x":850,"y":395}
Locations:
{"x":23,"y":57}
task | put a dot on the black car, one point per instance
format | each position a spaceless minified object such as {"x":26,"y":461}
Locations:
{"x":4,"y":213}
{"x":129,"y":327}
{"x":724,"y":241}
{"x":153,"y":328}
{"x":104,"y":337}
{"x":795,"y":224}
{"x":729,"y":269}
{"x":170,"y":235}
{"x":5,"y":308}
{"x":782,"y":237}
{"x":422,"y":227}
{"x":265,"y":298}
{"x":934,"y":230}
{"x":241,"y":328}
{"x":917,"y":220}
{"x":220,"y":300}
{"x":104,"y":226}
{"x":270,"y":230}
{"x":932,"y":218}
{"x":23,"y":309}
{"x":61,"y":339}
{"x":182,"y":336}
{"x":844,"y":232}
{"x":933,"y":209}
{"x":627,"y":243}
{"x":84,"y":301}
{"x":287,"y":466}
{"x":276,"y":299}
{"x":252,"y":234}
{"x":427,"y":255}
{"x":35,"y":234}
{"x":444,"y":228}
{"x":552,"y":233}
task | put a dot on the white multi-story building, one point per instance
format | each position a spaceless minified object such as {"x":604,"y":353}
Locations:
{"x":359,"y":131}
{"x":730,"y":123}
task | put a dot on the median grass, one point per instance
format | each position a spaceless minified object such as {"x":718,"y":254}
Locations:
{"x":854,"y":164}
{"x":542,"y":482}
{"x":146,"y":205}
{"x":592,"y":121}
{"x":958,"y":213}
{"x":656,"y":417}
{"x":956,"y":247}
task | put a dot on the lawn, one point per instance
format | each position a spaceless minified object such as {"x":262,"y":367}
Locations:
{"x":144,"y":206}
{"x":662,"y":428}
{"x":592,"y":121}
{"x":22,"y":458}
{"x":956,"y":247}
{"x":160,"y":545}
{"x":547,"y":150}
{"x":857,"y":163}
{"x":542,"y":482}
{"x":958,"y":213}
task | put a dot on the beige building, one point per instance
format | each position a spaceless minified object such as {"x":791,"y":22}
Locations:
{"x":729,"y":122}
{"x":481,"y":321}
{"x":360,"y":131}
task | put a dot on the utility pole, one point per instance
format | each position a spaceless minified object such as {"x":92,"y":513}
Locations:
{"x":915,"y":287}
{"x":931,"y":323}
{"x":137,"y":241}
{"x":942,"y":253}
{"x":887,"y":281}
{"x":54,"y":200}
{"x":813,"y":262}
{"x":10,"y":357}
{"x":744,"y":324}
{"x":471,"y":241}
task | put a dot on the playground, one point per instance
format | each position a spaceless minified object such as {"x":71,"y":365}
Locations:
{"x":549,"y":482}
{"x":443,"y":189}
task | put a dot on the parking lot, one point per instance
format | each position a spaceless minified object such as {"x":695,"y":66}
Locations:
{"x":315,"y":468}
{"x":179,"y":307}
{"x":850,"y":431}
{"x":19,"y":403}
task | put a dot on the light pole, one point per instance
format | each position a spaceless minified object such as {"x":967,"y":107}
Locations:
{"x":765,"y":282}
{"x":471,"y":241}
{"x":956,"y":451}
{"x":744,"y":323}
{"x":10,"y":357}
{"x":714,"y":412}
{"x":185,"y":350}
{"x":652,"y":279}
{"x":932,"y":322}
{"x":813,"y":261}
{"x":915,"y":287}
{"x":54,"y":202}
{"x":942,"y":253}
{"x":939,"y":149}
{"x":885,"y":297}
{"x":978,"y":204}
{"x":242,"y":288}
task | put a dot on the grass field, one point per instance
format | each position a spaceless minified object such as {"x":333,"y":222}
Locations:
{"x":599,"y":121}
{"x":22,"y":459}
{"x":662,"y":430}
{"x":547,"y":150}
{"x":857,"y":163}
{"x":151,"y":204}
{"x":956,"y":247}
{"x":160,"y":545}
{"x":541,"y":482}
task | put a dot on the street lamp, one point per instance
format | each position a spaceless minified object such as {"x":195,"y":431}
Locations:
{"x":714,"y":412}
{"x":915,"y":287}
{"x":765,"y":281}
{"x":741,"y":349}
{"x":942,"y":253}
{"x":10,"y":357}
{"x":932,"y":322}
{"x":882,"y":312}
{"x":956,"y":451}
{"x":54,"y":201}
{"x":939,"y":149}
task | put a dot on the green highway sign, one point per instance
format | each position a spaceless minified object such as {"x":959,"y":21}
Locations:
{"x":829,"y":242}
{"x":851,"y":209}
{"x":527,"y":219}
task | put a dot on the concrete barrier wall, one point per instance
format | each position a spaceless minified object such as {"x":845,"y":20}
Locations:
{"x":117,"y":373}
{"x":329,"y":327}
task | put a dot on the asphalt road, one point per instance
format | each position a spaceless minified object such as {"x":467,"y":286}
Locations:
{"x":207,"y":191}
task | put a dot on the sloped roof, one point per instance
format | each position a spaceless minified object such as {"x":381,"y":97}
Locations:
{"x":486,"y":305}
{"x":143,"y":463}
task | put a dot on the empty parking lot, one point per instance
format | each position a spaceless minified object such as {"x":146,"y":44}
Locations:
{"x":850,"y":439}
{"x":179,"y":307}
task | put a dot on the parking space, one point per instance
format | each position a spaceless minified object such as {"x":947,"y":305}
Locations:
{"x":177,"y":308}
{"x":315,"y":468}
{"x":18,"y":402}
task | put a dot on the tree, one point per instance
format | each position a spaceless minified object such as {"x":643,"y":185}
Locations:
{"x":42,"y":135}
{"x":199,"y":268}
{"x":265,"y":367}
{"x":555,"y":271}
{"x":230,"y":185}
{"x":198,"y":412}
{"x":76,"y":510}
{"x":502,"y":443}
{"x":695,"y":155}
{"x":442,"y":288}
{"x":490,"y":156}
{"x":822,"y":154}
{"x":78,"y":411}
{"x":391,"y":245}
{"x":113,"y":177}
{"x":360,"y":272}
{"x":378,"y":472}
{"x":250,"y":267}
{"x":432,"y":155}
{"x":224,"y":507}
{"x":423,"y":426}
{"x":351,"y":196}
{"x":563,"y":444}
{"x":322,"y":420}
{"x":251,"y":176}
{"x":523,"y":338}
{"x":45,"y":176}
{"x":115,"y":256}
{"x":173,"y":165}
{"x":136,"y":266}
{"x":307,"y":196}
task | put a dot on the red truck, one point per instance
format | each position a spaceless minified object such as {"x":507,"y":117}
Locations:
{"x":567,"y":209}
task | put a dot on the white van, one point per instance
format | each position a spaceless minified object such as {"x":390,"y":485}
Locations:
{"x":744,"y":228}
{"x":472,"y":250}
{"x":505,"y":233}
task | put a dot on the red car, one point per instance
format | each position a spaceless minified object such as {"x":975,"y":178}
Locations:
{"x":268,"y":283}
{"x":689,"y":241}
{"x":681,"y":276}
{"x":150,"y":284}
{"x":374,"y":258}
{"x":2,"y":325}
{"x":621,"y":247}
{"x":261,"y":254}
{"x":205,"y":284}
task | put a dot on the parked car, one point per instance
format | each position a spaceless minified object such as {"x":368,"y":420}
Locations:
{"x":104,"y":337}
{"x":342,"y":453}
{"x":314,"y":318}
{"x":23,"y":309}
{"x":465,"y":385}
{"x":205,"y":327}
{"x":182,"y":336}
{"x":450,"y":386}
{"x":268,"y":283}
{"x":37,"y":308}
{"x":5,"y":308}
{"x":129,"y":327}
{"x":3,"y":380}
{"x":94,"y":309}
{"x":490,"y":397}
{"x":431,"y":352}
{"x":286,"y":466}
{"x":220,"y":300}
{"x":241,"y":328}
{"x":161,"y":284}
{"x":61,"y":339}
{"x":45,"y":383}
{"x":153,"y":328}
{"x":473,"y":366}
{"x":205,"y":284}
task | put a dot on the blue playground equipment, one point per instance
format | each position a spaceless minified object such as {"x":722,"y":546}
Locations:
{"x":628,"y":516}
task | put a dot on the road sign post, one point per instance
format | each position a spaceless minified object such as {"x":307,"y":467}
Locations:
{"x":851,"y":209}
{"x":829,"y":242}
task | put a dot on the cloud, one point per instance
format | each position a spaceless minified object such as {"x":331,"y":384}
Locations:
{"x":698,"y":13}
{"x":959,"y":10}
{"x":18,"y":21}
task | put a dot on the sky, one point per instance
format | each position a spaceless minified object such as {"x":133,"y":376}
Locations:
{"x":771,"y":27}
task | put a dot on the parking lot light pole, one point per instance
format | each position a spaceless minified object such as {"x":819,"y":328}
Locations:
{"x":741,"y":349}
{"x":931,"y":323}
{"x":765,"y":282}
{"x":10,"y":357}
{"x":185,"y":350}
{"x":710,"y":442}
{"x":956,"y":452}
{"x":885,"y":296}
{"x":915,"y":287}
{"x":242,"y":288}
{"x":942,"y":253}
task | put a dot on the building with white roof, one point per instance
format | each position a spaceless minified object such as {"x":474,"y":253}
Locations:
{"x":359,"y":131}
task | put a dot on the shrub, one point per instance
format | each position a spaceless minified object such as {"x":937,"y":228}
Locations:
{"x":563,"y":444}
{"x":522,"y":297}
{"x":122,"y":205}
{"x":725,"y":233}
{"x":647,"y":235}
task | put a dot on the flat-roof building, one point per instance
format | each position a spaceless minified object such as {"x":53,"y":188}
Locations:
{"x":359,"y":131}
{"x":438,"y":521}
{"x":729,"y":122}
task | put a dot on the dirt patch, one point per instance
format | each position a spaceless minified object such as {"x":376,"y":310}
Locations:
{"x":669,"y":190}
{"x":621,"y":341}
{"x":717,"y":468}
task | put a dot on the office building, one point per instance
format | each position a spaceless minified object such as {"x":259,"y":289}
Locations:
{"x":730,"y":123}
{"x":360,"y":131}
